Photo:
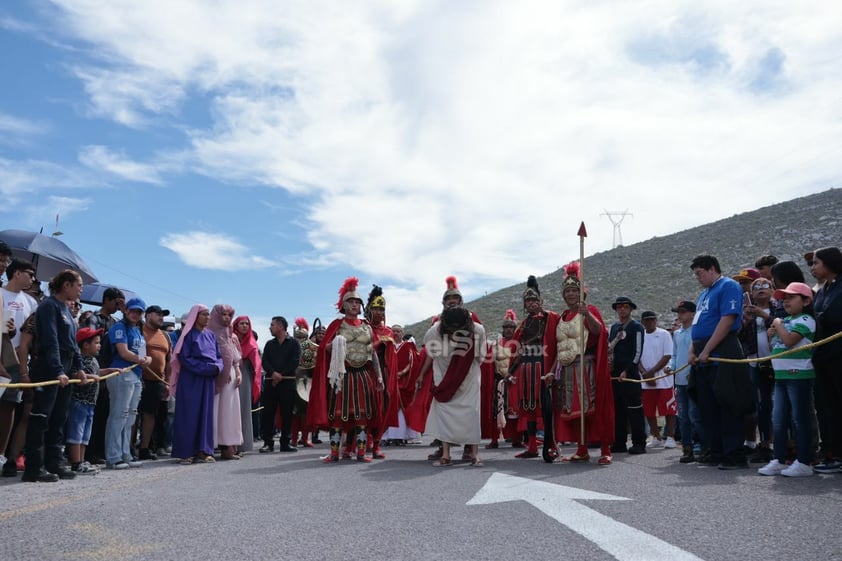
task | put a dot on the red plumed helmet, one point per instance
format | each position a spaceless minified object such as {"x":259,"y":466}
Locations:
{"x":301,"y":323}
{"x":510,"y":319}
{"x":452,"y":288}
{"x":572,"y":276}
{"x":348,"y":291}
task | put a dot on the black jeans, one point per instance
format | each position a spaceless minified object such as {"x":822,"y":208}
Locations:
{"x":281,"y":395}
{"x":45,"y":432}
{"x":628,"y":411}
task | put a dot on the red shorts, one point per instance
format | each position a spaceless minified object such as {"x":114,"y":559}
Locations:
{"x":659,"y":401}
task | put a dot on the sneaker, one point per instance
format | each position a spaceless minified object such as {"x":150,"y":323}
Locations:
{"x":797,"y":469}
{"x":134,"y":463}
{"x":636,"y":449}
{"x":828,"y":466}
{"x":772,"y":468}
{"x":161,"y":452}
{"x":84,"y":469}
{"x":669,"y":443}
{"x":118,"y":465}
{"x":657,"y":443}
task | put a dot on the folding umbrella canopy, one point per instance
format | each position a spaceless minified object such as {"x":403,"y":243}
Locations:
{"x":92,"y":293}
{"x":49,"y":255}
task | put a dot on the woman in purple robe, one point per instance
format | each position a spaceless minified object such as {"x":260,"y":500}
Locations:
{"x":195,"y":366}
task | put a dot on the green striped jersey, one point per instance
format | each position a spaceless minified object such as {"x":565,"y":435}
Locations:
{"x":797,"y":365}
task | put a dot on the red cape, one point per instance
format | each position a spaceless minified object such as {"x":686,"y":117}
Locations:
{"x":407,"y":354}
{"x":389,"y":416}
{"x":418,"y":409}
{"x":600,"y":426}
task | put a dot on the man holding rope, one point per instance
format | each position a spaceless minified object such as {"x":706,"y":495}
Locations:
{"x":723,"y":390}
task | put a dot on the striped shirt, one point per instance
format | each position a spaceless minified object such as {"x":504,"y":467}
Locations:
{"x":797,"y":365}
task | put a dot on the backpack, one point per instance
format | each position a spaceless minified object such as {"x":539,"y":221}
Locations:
{"x":106,"y":351}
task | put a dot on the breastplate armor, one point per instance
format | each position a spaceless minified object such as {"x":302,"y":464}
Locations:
{"x":357,"y":343}
{"x":502,"y":358}
{"x":567,"y":335}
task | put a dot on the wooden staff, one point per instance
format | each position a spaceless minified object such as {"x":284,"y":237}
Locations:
{"x":583,"y":233}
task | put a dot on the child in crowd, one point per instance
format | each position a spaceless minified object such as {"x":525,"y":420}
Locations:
{"x":794,"y":377}
{"x":83,"y":401}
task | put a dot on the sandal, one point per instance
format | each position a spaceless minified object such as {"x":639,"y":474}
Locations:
{"x":477,"y":463}
{"x":605,"y":460}
{"x":576,"y":459}
{"x":207,"y":458}
{"x":442,"y":462}
{"x":185,"y":461}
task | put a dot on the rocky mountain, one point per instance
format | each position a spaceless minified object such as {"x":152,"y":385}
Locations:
{"x":656,"y":274}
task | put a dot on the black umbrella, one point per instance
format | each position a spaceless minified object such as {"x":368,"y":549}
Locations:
{"x":92,"y":293}
{"x":49,"y":255}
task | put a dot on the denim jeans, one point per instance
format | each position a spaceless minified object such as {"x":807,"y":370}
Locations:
{"x":765,"y":386}
{"x":689,"y":421}
{"x":124,"y":392}
{"x":793,"y":399}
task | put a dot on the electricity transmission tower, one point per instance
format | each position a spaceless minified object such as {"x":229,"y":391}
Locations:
{"x":616,"y":219}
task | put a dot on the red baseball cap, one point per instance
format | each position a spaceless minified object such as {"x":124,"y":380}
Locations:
{"x":86,"y":333}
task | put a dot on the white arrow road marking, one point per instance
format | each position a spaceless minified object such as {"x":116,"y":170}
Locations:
{"x":559,"y":502}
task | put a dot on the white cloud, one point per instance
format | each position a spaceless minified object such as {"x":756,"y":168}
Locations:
{"x":19,"y":179}
{"x":102,"y":158}
{"x":206,"y":250}
{"x":9,"y":124}
{"x":472,"y":138}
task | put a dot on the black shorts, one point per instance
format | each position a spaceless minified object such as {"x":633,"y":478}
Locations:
{"x":151,"y":396}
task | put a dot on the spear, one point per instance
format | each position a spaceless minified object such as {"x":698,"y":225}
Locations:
{"x":583,"y":233}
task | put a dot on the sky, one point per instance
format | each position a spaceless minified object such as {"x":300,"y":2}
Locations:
{"x":257,"y":153}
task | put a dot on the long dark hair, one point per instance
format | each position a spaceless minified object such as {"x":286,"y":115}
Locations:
{"x":785,"y":272}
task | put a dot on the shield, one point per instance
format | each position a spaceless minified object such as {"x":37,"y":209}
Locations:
{"x":49,"y":255}
{"x":92,"y":293}
{"x":302,"y":387}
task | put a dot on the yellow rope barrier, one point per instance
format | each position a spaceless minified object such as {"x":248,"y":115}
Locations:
{"x":21,"y":385}
{"x":742,"y":360}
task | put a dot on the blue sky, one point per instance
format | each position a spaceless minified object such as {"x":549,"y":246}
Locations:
{"x":259,"y":152}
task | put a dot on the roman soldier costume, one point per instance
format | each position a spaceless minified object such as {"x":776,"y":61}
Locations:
{"x":500,"y":389}
{"x":303,"y":381}
{"x":535,"y":337}
{"x":346,"y":377}
{"x":596,"y":403}
{"x":384,"y":345}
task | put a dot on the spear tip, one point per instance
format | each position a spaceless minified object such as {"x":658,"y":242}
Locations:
{"x":583,"y":233}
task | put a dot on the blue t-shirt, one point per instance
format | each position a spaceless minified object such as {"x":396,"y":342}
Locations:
{"x":132,"y":337}
{"x":724,"y":298}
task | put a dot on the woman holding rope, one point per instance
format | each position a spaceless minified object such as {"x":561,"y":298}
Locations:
{"x":58,"y":359}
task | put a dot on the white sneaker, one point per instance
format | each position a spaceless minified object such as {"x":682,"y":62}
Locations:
{"x":772,"y":468}
{"x":657,"y":443}
{"x":670,"y":443}
{"x":797,"y":469}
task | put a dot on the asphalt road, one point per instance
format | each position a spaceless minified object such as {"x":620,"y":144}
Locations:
{"x":291,"y":506}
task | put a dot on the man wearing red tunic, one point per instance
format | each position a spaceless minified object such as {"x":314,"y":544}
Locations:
{"x":347,"y":376}
{"x":598,"y":398}
{"x":535,"y":355}
{"x":384,"y":347}
{"x":500,"y":390}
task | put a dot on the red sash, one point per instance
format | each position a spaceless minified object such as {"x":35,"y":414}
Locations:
{"x":457,"y":371}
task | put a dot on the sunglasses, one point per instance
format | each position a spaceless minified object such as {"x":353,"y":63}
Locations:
{"x":761,"y":286}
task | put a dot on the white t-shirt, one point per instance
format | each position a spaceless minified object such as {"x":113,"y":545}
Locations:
{"x":20,"y":306}
{"x":656,"y":345}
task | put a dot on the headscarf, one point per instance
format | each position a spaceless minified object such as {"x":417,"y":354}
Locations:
{"x":228,"y":344}
{"x":248,"y":346}
{"x":186,"y":327}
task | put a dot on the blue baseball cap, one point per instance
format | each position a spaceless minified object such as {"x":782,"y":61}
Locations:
{"x":136,"y":304}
